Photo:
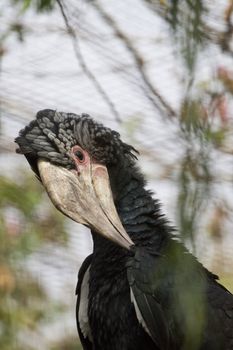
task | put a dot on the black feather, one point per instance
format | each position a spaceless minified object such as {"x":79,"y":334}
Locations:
{"x":182,"y":304}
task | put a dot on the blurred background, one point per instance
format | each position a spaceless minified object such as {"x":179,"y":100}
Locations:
{"x":158,"y":71}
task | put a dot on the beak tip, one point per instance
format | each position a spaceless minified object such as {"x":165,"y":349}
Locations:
{"x":95,"y":210}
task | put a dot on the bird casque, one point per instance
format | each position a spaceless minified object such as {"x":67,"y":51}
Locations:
{"x":140,"y":288}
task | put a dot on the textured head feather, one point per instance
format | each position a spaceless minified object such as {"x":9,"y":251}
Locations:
{"x":52,"y":134}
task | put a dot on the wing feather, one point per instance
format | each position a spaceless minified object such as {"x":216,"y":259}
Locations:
{"x":151,"y":317}
{"x":82,"y":290}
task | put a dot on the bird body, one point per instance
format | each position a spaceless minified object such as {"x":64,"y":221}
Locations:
{"x":141,"y":288}
{"x":165,"y":280}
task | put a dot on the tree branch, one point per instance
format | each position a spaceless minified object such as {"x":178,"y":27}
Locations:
{"x":83,"y":64}
{"x":152,"y":93}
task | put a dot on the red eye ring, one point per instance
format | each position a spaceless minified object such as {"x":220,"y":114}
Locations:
{"x":79,"y":155}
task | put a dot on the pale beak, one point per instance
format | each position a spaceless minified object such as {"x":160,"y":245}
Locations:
{"x":86,"y":198}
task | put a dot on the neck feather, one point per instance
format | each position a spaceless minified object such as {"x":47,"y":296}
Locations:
{"x":140,"y":214}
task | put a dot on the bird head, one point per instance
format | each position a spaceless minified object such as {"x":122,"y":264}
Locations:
{"x":71,"y":154}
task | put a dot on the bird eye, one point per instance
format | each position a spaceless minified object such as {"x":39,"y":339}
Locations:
{"x":79,"y":155}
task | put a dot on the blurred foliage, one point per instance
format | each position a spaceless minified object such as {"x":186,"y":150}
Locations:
{"x":227,"y":281}
{"x":38,"y":5}
{"x":205,"y":126}
{"x":26,"y":223}
{"x":16,"y":26}
{"x":204,"y":119}
{"x":204,"y":116}
{"x":69,"y":343}
{"x":185,"y":18}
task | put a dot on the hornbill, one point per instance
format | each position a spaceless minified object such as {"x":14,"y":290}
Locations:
{"x":140,"y":288}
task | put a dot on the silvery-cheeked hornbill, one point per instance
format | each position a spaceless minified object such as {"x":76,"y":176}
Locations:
{"x":140,"y":288}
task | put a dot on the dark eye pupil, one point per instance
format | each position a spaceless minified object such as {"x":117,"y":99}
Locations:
{"x":79,"y":155}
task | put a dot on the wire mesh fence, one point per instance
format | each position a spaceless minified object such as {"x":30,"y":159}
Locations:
{"x":120,"y":62}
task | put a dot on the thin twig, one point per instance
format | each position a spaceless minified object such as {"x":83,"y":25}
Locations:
{"x":163,"y":105}
{"x":83,"y":64}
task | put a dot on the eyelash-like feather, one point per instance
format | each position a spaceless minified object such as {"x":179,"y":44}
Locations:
{"x":52,"y":135}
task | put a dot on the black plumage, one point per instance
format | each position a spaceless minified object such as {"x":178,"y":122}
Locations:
{"x":155,"y":295}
